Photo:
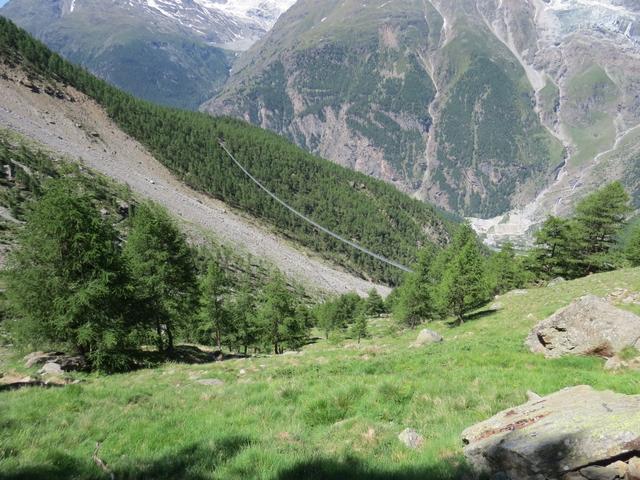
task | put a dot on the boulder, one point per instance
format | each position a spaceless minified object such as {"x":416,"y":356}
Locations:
{"x":67,"y":363}
{"x":556,"y":281}
{"x":410,"y":438}
{"x":427,"y":337}
{"x":576,"y":433}
{"x":51,"y":368}
{"x":40,"y":358}
{"x":589,"y":326}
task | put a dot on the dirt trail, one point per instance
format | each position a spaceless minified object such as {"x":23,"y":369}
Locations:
{"x":83,"y":132}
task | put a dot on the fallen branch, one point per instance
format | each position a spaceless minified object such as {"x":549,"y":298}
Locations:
{"x":100,"y":463}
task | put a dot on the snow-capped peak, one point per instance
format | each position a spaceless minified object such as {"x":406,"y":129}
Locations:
{"x":233,"y":24}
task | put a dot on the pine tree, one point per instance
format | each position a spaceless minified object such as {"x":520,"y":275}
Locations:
{"x":243,"y":315}
{"x":359,"y":328}
{"x":67,"y":284}
{"x":163,"y":269}
{"x":217,"y":324}
{"x":506,"y":270}
{"x":632,"y":250}
{"x":556,"y":249}
{"x":601,"y":217}
{"x":374,"y":304}
{"x":416,"y":302}
{"x":464,"y":284}
{"x":275,"y":312}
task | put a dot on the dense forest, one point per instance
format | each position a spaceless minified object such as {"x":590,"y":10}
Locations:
{"x":357,"y":207}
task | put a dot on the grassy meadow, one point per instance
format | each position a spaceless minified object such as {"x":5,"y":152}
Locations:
{"x":333,"y":411}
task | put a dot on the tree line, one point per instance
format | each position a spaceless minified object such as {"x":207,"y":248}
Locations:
{"x":465,"y":276}
{"x":76,"y":283}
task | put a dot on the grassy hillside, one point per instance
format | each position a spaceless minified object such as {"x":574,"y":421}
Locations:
{"x":332,"y":412}
{"x":358,"y":207}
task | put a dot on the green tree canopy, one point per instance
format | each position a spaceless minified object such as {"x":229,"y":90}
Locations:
{"x":67,"y":285}
{"x":163,"y":269}
{"x":464,"y":285}
{"x":216,"y":323}
{"x":600,"y":217}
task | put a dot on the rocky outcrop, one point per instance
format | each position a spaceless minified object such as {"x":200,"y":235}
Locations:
{"x":57,"y":361}
{"x":576,"y":433}
{"x":589,"y":326}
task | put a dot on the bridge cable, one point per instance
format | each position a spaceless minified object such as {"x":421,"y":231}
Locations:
{"x":311,"y":222}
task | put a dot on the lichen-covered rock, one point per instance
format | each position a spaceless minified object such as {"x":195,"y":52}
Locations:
{"x":561,"y":436}
{"x":590,"y":325}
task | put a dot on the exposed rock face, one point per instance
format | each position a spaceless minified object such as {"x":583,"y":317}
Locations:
{"x":590,"y":325}
{"x":427,"y":337}
{"x":67,"y":363}
{"x":572,"y":434}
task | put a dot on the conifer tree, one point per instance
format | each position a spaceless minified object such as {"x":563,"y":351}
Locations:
{"x":243,"y":315}
{"x":163,"y":269}
{"x":275,"y":312}
{"x":67,"y":285}
{"x":360,"y":326}
{"x":374,"y":304}
{"x":217,"y":324}
{"x":632,"y":250}
{"x":556,"y":249}
{"x":506,"y":270}
{"x":416,"y":300}
{"x":601,"y":217}
{"x":464,"y":283}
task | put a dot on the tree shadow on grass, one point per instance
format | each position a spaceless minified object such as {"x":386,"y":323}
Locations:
{"x":355,"y":469}
{"x":471,"y":317}
{"x":187,"y":354}
{"x":194,"y":462}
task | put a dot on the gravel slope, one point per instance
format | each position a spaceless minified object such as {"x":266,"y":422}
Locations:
{"x":82,"y":131}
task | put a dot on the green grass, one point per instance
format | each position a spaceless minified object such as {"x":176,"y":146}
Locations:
{"x":333,"y":412}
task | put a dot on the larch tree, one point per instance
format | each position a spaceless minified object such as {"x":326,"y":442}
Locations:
{"x":164,"y":272}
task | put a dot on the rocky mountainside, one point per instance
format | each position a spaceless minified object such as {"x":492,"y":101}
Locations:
{"x":482,"y":106}
{"x":175,"y":52}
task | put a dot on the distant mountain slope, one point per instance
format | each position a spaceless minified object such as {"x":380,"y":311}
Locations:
{"x":477,"y":105}
{"x":171,"y":52}
{"x":354,"y":205}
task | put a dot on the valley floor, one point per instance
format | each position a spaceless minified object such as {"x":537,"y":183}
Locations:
{"x":333,"y":411}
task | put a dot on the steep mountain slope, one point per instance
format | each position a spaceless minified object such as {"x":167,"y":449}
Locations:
{"x":355,"y":206}
{"x":81,"y":131}
{"x":172,"y":52}
{"x":478,"y":105}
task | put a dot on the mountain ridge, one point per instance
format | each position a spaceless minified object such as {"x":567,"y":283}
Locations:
{"x":172,"y":52}
{"x":521,"y":100}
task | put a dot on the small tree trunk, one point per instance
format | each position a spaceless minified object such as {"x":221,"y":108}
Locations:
{"x":218,"y":339}
{"x":159,"y":337}
{"x":169,"y":340}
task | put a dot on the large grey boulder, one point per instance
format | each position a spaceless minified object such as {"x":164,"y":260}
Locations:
{"x":427,"y":337}
{"x":589,"y":326}
{"x":561,"y":436}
